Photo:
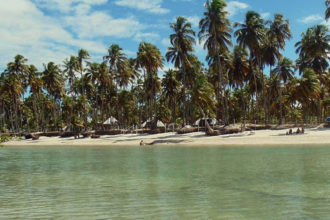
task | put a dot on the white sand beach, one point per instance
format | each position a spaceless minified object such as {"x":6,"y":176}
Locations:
{"x":316,"y":136}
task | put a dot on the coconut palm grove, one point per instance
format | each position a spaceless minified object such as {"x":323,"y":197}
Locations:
{"x":243,"y":79}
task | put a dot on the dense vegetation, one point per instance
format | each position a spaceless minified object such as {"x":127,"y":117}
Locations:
{"x":232,"y":88}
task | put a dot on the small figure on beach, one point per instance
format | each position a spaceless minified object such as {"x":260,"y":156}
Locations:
{"x":290,"y":131}
{"x":298,"y":131}
{"x":302,"y":130}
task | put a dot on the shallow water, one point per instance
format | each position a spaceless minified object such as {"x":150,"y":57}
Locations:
{"x":164,"y":183}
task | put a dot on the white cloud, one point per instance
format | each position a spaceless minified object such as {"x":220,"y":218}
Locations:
{"x":194,"y":20}
{"x":151,"y":6}
{"x":66,"y":5}
{"x":166,"y":42}
{"x":26,"y":30}
{"x":234,"y":6}
{"x":311,"y":19}
{"x":101,"y":24}
{"x":265,"y":15}
{"x":150,"y":37}
{"x":326,"y":22}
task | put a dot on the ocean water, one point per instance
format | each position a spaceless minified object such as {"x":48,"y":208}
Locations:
{"x":164,"y":183}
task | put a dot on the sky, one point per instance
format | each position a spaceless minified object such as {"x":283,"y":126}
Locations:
{"x":53,"y":30}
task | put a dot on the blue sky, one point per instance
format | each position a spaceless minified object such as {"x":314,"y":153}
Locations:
{"x":52,"y":30}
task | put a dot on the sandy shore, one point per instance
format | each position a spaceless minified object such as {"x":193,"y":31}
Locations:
{"x":258,"y":138}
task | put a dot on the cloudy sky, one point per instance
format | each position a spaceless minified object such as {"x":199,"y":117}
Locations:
{"x":52,"y":30}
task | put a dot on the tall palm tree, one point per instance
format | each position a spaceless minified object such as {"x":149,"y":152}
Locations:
{"x":327,"y":12}
{"x":182,"y":42}
{"x":170,"y":86}
{"x":149,"y":58}
{"x":35,"y":83}
{"x":239,"y":71}
{"x":215,"y":31}
{"x":83,"y":55}
{"x":71,"y":66}
{"x":17,"y":69}
{"x":54,"y":84}
{"x":284,"y":71}
{"x":251,"y":34}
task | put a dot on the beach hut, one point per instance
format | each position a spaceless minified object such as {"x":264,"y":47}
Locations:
{"x":146,"y":124}
{"x":110,"y":121}
{"x":201,"y":122}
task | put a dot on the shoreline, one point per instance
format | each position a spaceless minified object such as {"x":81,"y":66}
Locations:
{"x":259,"y":138}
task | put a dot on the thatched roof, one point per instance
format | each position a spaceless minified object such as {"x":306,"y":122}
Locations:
{"x":110,"y":121}
{"x":211,"y":121}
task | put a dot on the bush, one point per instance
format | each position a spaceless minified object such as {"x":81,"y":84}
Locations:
{"x":5,"y":139}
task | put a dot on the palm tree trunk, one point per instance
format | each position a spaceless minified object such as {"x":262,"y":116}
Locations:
{"x":184,"y":95}
{"x":263,"y":92}
{"x":15,"y":111}
{"x":35,"y":112}
{"x":173,"y":114}
{"x":220,"y":91}
{"x":319,"y":111}
{"x":280,"y":122}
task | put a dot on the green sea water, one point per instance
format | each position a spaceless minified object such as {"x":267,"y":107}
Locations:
{"x":164,"y":183}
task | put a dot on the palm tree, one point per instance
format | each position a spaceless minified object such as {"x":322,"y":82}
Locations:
{"x":327,"y":12}
{"x":313,"y":52}
{"x":70,"y":68}
{"x":35,"y":83}
{"x":239,"y":71}
{"x":12,"y":88}
{"x":279,"y":31}
{"x":251,"y":34}
{"x":170,"y":86}
{"x":150,"y":60}
{"x":17,"y":70}
{"x":202,"y":96}
{"x":83,"y":55}
{"x":182,"y":41}
{"x":283,"y":72}
{"x":308,"y":89}
{"x":54,"y":84}
{"x":215,"y":31}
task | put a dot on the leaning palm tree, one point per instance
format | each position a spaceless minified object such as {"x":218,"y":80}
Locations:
{"x":215,"y":31}
{"x":284,"y":71}
{"x":182,"y":41}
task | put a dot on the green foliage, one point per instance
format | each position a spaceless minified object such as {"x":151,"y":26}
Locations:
{"x":4,"y":139}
